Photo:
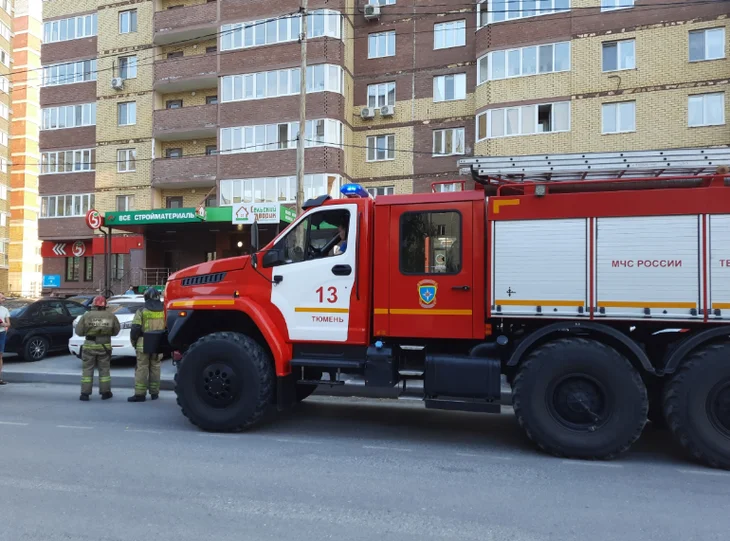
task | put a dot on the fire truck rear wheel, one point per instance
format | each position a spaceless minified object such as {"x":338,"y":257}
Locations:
{"x":697,"y":405}
{"x":225,"y":382}
{"x":579,"y":398}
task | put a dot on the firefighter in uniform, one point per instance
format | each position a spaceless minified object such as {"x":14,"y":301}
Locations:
{"x":147,"y":374}
{"x":98,"y":326}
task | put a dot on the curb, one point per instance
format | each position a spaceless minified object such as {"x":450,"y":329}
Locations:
{"x":167,"y":384}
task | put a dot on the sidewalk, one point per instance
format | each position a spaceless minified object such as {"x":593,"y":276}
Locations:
{"x":67,"y":369}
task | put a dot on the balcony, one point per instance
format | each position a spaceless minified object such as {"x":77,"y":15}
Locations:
{"x":185,"y":23}
{"x":186,"y":73}
{"x":198,"y":122}
{"x":192,"y":172}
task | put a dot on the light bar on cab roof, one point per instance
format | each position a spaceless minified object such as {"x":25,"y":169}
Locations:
{"x":354,"y":190}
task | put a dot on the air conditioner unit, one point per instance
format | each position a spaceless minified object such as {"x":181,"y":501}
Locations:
{"x":367,"y":112}
{"x":387,"y":110}
{"x":117,"y":83}
{"x":372,"y":11}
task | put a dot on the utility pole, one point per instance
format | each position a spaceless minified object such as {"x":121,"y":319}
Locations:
{"x":302,"y":108}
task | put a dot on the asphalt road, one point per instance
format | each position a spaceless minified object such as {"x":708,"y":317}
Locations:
{"x":344,"y":469}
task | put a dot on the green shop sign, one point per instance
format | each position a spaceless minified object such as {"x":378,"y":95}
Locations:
{"x":190,"y":216}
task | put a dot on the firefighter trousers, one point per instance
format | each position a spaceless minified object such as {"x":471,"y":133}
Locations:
{"x":101,"y":360}
{"x":147,"y":374}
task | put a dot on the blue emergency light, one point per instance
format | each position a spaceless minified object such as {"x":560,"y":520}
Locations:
{"x":354,"y":190}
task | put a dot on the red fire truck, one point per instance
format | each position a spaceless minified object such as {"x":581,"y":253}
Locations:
{"x":602,"y":302}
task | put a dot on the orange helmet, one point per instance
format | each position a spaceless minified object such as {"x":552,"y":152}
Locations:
{"x":99,"y":301}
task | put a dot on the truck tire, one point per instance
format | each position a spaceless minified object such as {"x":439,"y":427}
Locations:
{"x":579,"y":398}
{"x":697,"y":405}
{"x":225,"y":382}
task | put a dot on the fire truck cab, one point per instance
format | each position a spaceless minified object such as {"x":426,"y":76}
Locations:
{"x":602,"y":302}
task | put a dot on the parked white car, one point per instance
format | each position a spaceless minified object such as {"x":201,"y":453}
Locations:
{"x":124,"y":307}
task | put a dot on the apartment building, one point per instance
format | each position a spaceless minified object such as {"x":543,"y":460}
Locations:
{"x":24,"y":252}
{"x":167,"y":116}
{"x":6,"y":24}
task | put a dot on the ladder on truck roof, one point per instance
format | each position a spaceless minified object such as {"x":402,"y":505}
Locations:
{"x":596,"y":165}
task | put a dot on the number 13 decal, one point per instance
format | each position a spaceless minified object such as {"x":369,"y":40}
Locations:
{"x":330,"y":295}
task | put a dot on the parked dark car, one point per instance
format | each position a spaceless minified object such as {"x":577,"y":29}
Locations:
{"x":85,"y":300}
{"x":37,"y":328}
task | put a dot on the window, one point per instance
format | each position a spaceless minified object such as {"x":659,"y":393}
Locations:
{"x":429,"y":243}
{"x":3,"y":138}
{"x":381,"y":94}
{"x":211,"y":100}
{"x":66,"y":206}
{"x":525,"y":61}
{"x":128,"y":21}
{"x":127,"y":113}
{"x":4,"y":84}
{"x":175,"y":54}
{"x":173,"y":202}
{"x":125,"y":203}
{"x":273,"y":84}
{"x":618,"y":117}
{"x":73,"y":308}
{"x":4,"y":57}
{"x":381,"y":190}
{"x":449,"y":87}
{"x":383,"y":2}
{"x":306,"y":241}
{"x":68,"y":116}
{"x":322,"y":22}
{"x":619,"y":55}
{"x":73,"y":267}
{"x":706,"y":44}
{"x":69,"y":73}
{"x":4,"y":111}
{"x":381,"y":148}
{"x":495,"y":11}
{"x":524,"y":120}
{"x":323,"y":132}
{"x":5,"y":31}
{"x":706,"y":109}
{"x":88,"y":270}
{"x":276,"y":189}
{"x":128,"y":67}
{"x":3,"y":219}
{"x":381,"y":44}
{"x":3,"y":192}
{"x":210,"y":201}
{"x":68,"y":161}
{"x":607,"y":5}
{"x":126,"y":160}
{"x":83,"y":26}
{"x":173,"y":153}
{"x":117,"y":266}
{"x":3,"y":165}
{"x":173,"y":104}
{"x":448,"y":142}
{"x":211,"y":150}
{"x":451,"y":34}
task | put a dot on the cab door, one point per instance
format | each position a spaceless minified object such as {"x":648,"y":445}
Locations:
{"x":431,"y":271}
{"x":313,"y":287}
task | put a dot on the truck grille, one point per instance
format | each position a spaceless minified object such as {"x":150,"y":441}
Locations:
{"x":205,"y":279}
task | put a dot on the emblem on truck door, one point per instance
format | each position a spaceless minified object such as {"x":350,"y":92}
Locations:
{"x":427,"y":290}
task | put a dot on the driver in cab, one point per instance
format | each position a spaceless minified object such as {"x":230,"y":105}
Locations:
{"x":341,"y":246}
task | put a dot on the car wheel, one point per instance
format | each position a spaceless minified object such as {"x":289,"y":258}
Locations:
{"x":35,"y":349}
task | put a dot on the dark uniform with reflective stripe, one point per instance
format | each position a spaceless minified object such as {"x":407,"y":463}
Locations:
{"x":98,"y":326}
{"x":147,"y":374}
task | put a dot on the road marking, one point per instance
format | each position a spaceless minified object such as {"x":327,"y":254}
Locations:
{"x":12,"y":423}
{"x":381,"y":448}
{"x":211,"y":435}
{"x":76,"y":427}
{"x":485,"y":455}
{"x":306,"y":442}
{"x":143,"y":430}
{"x":591,"y":463}
{"x":704,"y":472}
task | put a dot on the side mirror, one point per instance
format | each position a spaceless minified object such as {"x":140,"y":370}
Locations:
{"x":272,"y":258}
{"x":255,"y":237}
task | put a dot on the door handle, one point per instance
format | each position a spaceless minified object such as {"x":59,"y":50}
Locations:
{"x":342,"y":270}
{"x":461,"y":288}
{"x":278,"y":278}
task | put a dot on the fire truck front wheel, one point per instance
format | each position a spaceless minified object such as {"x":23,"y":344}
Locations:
{"x":579,"y":398}
{"x":697,"y":405}
{"x":225,"y":382}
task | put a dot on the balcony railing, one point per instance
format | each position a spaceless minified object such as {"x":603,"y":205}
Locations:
{"x":183,"y":23}
{"x":186,"y":73}
{"x":190,"y":172}
{"x":195,"y":122}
